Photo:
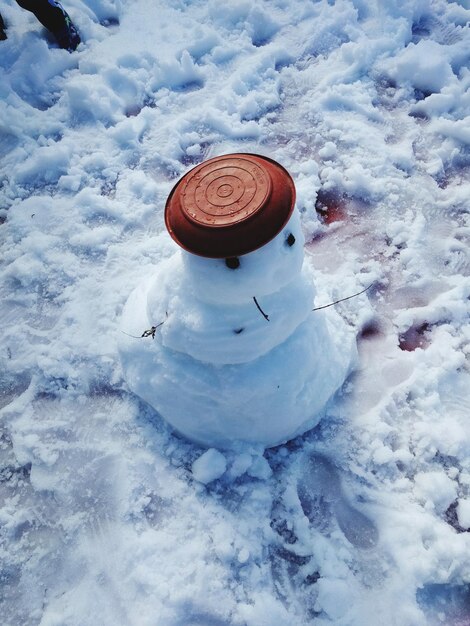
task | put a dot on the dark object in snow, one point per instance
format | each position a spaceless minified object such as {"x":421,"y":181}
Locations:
{"x":68,"y":37}
{"x":55,"y":18}
{"x":3,"y":34}
{"x":230,"y":205}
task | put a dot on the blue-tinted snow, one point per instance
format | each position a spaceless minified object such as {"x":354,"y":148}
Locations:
{"x":102,"y":522}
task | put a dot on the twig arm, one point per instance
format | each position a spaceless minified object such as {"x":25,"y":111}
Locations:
{"x":147,"y":333}
{"x":266,"y":317}
{"x":325,"y":306}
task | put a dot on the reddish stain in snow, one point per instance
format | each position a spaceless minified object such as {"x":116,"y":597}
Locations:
{"x":414,"y":337}
{"x":331,"y":206}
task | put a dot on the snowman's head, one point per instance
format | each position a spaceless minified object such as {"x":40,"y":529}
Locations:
{"x":238,"y":279}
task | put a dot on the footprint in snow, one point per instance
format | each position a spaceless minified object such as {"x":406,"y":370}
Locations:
{"x":322,"y":497}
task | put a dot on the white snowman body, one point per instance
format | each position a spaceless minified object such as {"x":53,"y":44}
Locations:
{"x":217,"y":370}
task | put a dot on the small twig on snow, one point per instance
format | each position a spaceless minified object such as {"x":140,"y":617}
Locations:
{"x":325,"y":306}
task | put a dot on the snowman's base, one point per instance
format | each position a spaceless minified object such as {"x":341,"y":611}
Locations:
{"x":266,"y":401}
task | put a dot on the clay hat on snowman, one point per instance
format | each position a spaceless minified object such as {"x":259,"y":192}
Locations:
{"x":230,"y":205}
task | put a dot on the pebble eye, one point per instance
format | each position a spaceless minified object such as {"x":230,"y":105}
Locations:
{"x":233,"y":262}
{"x":290,"y":240}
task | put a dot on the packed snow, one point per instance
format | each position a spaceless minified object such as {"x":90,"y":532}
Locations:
{"x":107,"y":516}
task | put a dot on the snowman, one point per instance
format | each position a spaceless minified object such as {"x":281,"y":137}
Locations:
{"x":232,"y":351}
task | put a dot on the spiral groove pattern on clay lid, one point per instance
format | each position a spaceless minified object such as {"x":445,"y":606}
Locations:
{"x":230,"y":205}
{"x":224,"y":193}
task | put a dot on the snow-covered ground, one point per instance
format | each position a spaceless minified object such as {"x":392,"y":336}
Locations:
{"x":107,"y":518}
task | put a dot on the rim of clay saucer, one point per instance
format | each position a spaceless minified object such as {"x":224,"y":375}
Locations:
{"x":230,"y":205}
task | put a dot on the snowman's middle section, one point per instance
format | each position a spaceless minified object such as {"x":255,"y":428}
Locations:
{"x":221,"y":315}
